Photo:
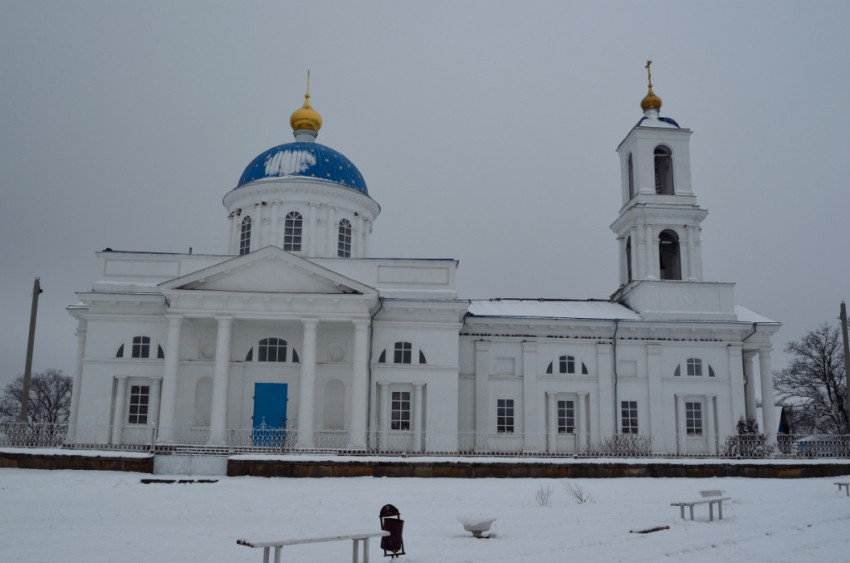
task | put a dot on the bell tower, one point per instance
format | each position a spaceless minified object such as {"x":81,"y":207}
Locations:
{"x":658,"y":227}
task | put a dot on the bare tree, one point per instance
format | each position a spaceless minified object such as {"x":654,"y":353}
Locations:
{"x":814,"y":383}
{"x":49,"y":398}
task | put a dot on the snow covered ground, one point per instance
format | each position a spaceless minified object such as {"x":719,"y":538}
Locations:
{"x":79,"y":516}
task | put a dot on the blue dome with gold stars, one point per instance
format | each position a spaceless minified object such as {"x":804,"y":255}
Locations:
{"x":306,"y":160}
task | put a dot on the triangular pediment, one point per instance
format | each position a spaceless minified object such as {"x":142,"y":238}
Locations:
{"x":268,"y":270}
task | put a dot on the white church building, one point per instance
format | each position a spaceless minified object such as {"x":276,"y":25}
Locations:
{"x":296,"y":338}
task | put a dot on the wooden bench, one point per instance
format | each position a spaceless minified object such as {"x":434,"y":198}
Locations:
{"x":710,"y":501}
{"x":844,"y":485}
{"x":278,"y":544}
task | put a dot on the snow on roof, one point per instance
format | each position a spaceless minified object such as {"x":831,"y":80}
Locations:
{"x":749,"y":316}
{"x":551,"y":309}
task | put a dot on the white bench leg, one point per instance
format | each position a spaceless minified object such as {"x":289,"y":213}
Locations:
{"x":720,"y":510}
{"x":692,"y":515}
{"x":682,"y":511}
{"x":265,"y":555}
{"x":365,"y":550}
{"x":711,"y":512}
{"x":277,"y":549}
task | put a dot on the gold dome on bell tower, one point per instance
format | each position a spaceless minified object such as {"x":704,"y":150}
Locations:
{"x":650,"y":101}
{"x":306,"y":118}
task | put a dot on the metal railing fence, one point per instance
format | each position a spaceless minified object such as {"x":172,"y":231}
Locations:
{"x":403,"y":442}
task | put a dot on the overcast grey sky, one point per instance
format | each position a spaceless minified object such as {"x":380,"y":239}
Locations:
{"x":486,"y":131}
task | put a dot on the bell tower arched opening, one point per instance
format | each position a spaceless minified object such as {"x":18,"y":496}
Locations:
{"x":670,"y":264}
{"x":663,"y":170}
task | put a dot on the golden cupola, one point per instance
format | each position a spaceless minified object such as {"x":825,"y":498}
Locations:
{"x":306,"y":118}
{"x":650,"y":101}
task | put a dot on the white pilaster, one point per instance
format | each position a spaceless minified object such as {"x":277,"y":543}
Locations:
{"x":168,"y":400}
{"x":691,"y":261}
{"x":605,"y":385}
{"x":330,"y":247}
{"x":276,"y":233}
{"x":221,"y":377}
{"x":482,"y":389}
{"x":359,"y":386}
{"x":656,"y":398}
{"x":681,"y":429}
{"x":384,"y":414}
{"x":120,"y":410}
{"x":312,"y":230}
{"x":153,"y":409}
{"x":551,"y":422}
{"x":581,"y":422}
{"x":710,"y":403}
{"x":529,"y":396}
{"x":652,"y":265}
{"x":307,"y":384}
{"x":736,"y":382}
{"x":418,"y":396}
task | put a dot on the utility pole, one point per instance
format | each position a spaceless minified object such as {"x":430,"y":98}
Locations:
{"x":25,"y":398}
{"x":843,"y":318}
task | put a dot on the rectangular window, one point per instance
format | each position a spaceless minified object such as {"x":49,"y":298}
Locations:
{"x":693,"y":419}
{"x":566,"y":417}
{"x":505,"y":416}
{"x":141,"y":347}
{"x":139,"y":399}
{"x":628,"y":417}
{"x":568,"y":364}
{"x":400,"y":410}
{"x":403,"y":353}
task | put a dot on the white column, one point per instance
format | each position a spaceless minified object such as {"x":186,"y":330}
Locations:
{"x":692,"y":274}
{"x":736,"y":383}
{"x":221,"y":377}
{"x":359,"y":386}
{"x":768,"y":396}
{"x":307,"y":385}
{"x":681,"y":429}
{"x":78,"y":380}
{"x":417,"y":416}
{"x":482,"y":391}
{"x":581,"y":421}
{"x":551,"y":422}
{"x":120,"y":408}
{"x":750,"y":387}
{"x":533,"y":437}
{"x":384,"y":414}
{"x":168,"y":401}
{"x":709,"y":423}
{"x":153,"y":409}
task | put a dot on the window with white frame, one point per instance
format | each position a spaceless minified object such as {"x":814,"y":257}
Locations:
{"x":628,"y":417}
{"x":694,"y":366}
{"x":343,"y":247}
{"x":505,"y":416}
{"x":400,"y":410}
{"x":245,"y":236}
{"x":403,"y":353}
{"x":139,"y":401}
{"x":693,"y":418}
{"x":141,"y":347}
{"x":292,"y":230}
{"x":272,"y":350}
{"x":566,"y":417}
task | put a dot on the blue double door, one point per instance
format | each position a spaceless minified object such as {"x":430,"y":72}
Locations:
{"x":269,"y":419}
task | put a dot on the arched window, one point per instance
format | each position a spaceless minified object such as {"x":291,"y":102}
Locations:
{"x":668,"y":251}
{"x":402,"y":353}
{"x":631,"y":178}
{"x":629,"y":259}
{"x":343,"y":246}
{"x":567,"y":365}
{"x":694,"y":368}
{"x":292,"y":228}
{"x":245,"y":237}
{"x":663,"y":171}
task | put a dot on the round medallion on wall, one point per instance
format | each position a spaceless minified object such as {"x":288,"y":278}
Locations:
{"x":207,"y":350}
{"x":337,"y":353}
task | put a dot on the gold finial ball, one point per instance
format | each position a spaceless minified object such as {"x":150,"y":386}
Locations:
{"x":650,"y":101}
{"x":306,"y":117}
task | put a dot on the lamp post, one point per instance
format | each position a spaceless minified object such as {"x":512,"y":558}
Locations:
{"x":25,"y":397}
